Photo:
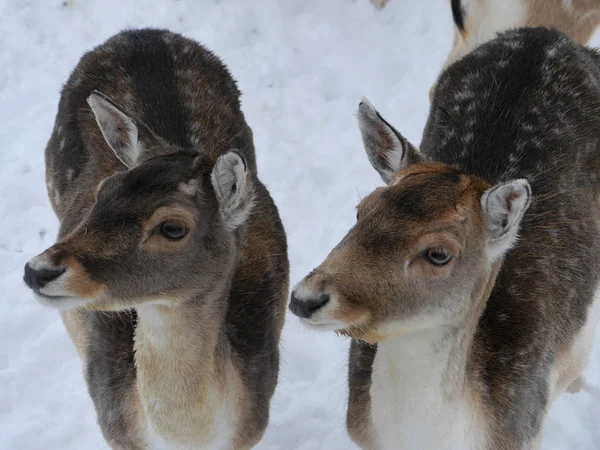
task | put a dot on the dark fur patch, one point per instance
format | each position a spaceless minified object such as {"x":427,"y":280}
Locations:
{"x":111,"y":371}
{"x":360,"y":370}
{"x":458,"y":14}
{"x":151,"y":67}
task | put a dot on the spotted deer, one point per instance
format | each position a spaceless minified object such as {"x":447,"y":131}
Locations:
{"x":478,"y":21}
{"x":170,"y":268}
{"x":469,"y":283}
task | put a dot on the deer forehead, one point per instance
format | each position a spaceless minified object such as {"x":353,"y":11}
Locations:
{"x":426,"y":198}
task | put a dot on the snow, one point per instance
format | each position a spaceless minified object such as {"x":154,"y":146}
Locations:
{"x":303,"y":66}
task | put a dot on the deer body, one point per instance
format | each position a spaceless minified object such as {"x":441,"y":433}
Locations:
{"x":470,"y":282}
{"x":170,"y":268}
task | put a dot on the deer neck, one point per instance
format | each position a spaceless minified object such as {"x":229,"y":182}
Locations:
{"x":423,"y":388}
{"x":187,"y":386}
{"x":419,"y":391}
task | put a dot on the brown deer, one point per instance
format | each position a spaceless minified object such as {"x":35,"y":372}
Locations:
{"x":469,"y":283}
{"x":478,"y":21}
{"x":170,"y":268}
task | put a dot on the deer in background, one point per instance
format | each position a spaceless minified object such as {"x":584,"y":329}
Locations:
{"x":470,"y":282}
{"x":478,"y":21}
{"x":170,"y":268}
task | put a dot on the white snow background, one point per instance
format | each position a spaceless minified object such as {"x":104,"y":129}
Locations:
{"x":302,"y":66}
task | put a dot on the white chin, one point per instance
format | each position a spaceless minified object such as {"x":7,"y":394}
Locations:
{"x":323,"y":325}
{"x":61,"y":303}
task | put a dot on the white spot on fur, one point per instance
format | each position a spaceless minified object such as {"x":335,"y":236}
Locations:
{"x":56,"y":196}
{"x":527,"y":127}
{"x":70,"y":173}
{"x":551,"y":52}
{"x":195,"y":141}
{"x":189,"y":188}
{"x":168,"y":38}
{"x":464,"y":95}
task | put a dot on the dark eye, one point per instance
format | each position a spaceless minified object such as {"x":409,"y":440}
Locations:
{"x":172,"y":231}
{"x":438,"y":256}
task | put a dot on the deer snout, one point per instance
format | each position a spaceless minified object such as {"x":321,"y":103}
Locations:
{"x":45,"y":277}
{"x":38,"y":278}
{"x":305,"y":308}
{"x":53,"y":280}
{"x":315,"y":304}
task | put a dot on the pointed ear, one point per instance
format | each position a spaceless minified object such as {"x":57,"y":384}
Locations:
{"x":118,"y":129}
{"x":233,"y":187}
{"x":503,"y":208}
{"x":388,"y":150}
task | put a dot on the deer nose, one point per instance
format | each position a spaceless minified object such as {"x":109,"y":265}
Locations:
{"x":307,"y":307}
{"x":37,"y":279}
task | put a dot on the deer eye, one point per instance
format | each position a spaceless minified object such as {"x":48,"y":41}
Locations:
{"x":438,"y":256}
{"x":172,"y":231}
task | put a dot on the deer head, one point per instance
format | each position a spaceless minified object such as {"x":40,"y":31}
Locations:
{"x":421,"y":246}
{"x":163,"y":229}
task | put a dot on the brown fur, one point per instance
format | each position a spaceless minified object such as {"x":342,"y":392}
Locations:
{"x":80,"y":282}
{"x":363,"y":309}
{"x":579,"y":23}
{"x":75,"y":324}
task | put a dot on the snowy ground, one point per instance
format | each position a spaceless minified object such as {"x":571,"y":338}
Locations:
{"x":302,"y":65}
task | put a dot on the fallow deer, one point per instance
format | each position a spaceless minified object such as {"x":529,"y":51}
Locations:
{"x":170,"y":267}
{"x":470,"y":283}
{"x":478,"y":21}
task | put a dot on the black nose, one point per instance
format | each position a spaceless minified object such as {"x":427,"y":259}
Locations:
{"x":306,"y":308}
{"x":37,"y":279}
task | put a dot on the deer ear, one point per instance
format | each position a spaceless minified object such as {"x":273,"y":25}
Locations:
{"x":388,"y":150}
{"x":503,"y":207}
{"x":119,"y":130}
{"x":233,"y":188}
